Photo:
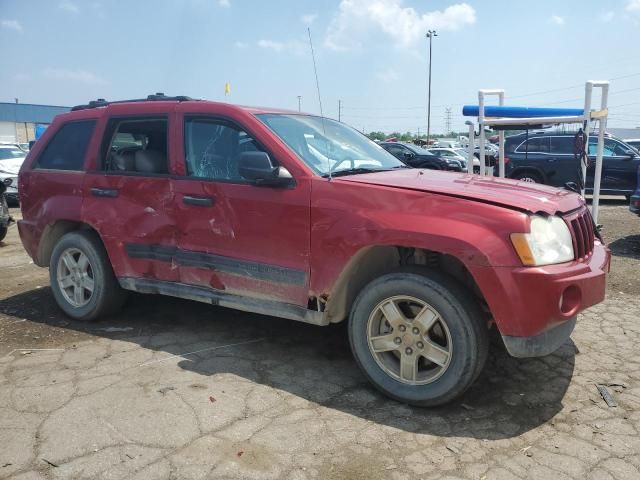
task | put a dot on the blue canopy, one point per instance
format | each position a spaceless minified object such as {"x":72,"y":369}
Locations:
{"x":520,"y":112}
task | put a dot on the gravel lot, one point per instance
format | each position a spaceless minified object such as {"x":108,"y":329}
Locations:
{"x":176,"y":389}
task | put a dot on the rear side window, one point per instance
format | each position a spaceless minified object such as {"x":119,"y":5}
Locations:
{"x":536,"y":144}
{"x":562,"y":145}
{"x":68,"y":147}
{"x":136,"y":145}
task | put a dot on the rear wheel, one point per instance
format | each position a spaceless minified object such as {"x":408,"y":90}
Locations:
{"x":418,"y":337}
{"x":82,"y":280}
{"x":530,"y":177}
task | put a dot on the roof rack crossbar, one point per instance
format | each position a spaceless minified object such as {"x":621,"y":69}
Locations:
{"x":157,"y":97}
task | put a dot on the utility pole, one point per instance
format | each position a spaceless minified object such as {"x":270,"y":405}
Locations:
{"x":299,"y":104}
{"x":339,"y":109}
{"x":430,"y":35}
{"x":447,"y":120}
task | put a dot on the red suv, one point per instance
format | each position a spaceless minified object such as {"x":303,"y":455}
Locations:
{"x":302,"y":217}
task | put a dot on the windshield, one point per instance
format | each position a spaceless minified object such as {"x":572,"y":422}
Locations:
{"x":10,"y":152}
{"x":324,"y":144}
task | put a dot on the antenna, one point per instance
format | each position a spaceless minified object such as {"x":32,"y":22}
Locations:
{"x":315,"y":71}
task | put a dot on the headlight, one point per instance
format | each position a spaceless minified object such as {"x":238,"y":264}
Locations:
{"x":549,"y":242}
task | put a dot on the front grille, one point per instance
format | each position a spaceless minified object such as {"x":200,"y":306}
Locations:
{"x":582,"y":233}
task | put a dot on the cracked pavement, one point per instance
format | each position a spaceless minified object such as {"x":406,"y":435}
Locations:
{"x":263,"y":398}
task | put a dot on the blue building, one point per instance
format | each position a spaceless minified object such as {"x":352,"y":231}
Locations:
{"x":22,"y":122}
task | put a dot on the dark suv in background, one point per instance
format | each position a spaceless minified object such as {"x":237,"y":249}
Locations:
{"x":549,"y":158}
{"x":418,"y":157}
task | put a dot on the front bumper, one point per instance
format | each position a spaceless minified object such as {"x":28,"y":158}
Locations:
{"x":634,"y":205}
{"x":535,"y":308}
{"x":542,"y":344}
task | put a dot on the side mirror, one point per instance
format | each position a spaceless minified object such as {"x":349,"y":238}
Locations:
{"x":630,"y":153}
{"x":257,"y":167}
{"x":407,"y":155}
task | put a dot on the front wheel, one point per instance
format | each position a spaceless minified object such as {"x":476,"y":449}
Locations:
{"x":418,"y":337}
{"x":3,"y":232}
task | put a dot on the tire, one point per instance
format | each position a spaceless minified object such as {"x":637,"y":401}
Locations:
{"x":530,"y":177}
{"x":466,"y":337}
{"x":106,"y":297}
{"x":3,"y":232}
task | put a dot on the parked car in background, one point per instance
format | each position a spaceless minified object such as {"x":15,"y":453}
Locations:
{"x":5,"y":218}
{"x":634,"y":201}
{"x":420,"y":266}
{"x":634,"y":142}
{"x":447,"y":144}
{"x":418,"y":157}
{"x":11,"y":159}
{"x":459,"y":154}
{"x":549,"y":158}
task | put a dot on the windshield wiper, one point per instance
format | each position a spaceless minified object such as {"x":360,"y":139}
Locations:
{"x":355,"y":171}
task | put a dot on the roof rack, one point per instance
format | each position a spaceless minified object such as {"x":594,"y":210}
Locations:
{"x":156,"y":97}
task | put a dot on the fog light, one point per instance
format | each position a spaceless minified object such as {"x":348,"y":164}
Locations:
{"x":570,"y":301}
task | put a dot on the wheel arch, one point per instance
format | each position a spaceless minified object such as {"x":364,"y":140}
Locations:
{"x":529,"y":169}
{"x":54,"y":232}
{"x":373,"y":261}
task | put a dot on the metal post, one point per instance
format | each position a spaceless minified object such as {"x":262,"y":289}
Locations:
{"x":472,"y":143}
{"x":339,"y":109}
{"x":299,"y":103}
{"x":595,"y":202}
{"x":588,"y":90}
{"x":430,"y":35}
{"x":483,"y":161}
{"x":501,"y":167}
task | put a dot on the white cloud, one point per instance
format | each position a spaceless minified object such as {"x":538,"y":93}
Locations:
{"x":633,"y":6}
{"x":78,"y":76}
{"x":241,"y":44}
{"x":294,"y":46}
{"x":404,"y":25}
{"x":556,"y":20}
{"x":271,"y":45}
{"x":224,"y":3}
{"x":68,"y":6}
{"x":11,"y":25}
{"x":308,"y":18}
{"x":388,"y":76}
{"x":607,"y":16}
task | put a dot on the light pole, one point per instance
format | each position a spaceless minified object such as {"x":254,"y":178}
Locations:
{"x":430,"y":34}
{"x":299,"y":98}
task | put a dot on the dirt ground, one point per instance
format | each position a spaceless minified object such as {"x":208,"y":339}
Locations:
{"x":176,"y":389}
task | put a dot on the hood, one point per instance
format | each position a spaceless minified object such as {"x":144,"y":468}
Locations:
{"x":526,"y":196}
{"x":11,"y":166}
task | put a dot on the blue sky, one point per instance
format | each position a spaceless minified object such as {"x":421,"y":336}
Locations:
{"x":371,"y":54}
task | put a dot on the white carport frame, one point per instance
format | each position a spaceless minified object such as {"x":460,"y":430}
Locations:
{"x":585,"y":119}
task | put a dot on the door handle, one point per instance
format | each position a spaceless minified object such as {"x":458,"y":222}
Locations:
{"x":105,"y":192}
{"x":198,"y":201}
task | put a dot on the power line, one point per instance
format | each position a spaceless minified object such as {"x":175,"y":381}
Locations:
{"x":532,"y":94}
